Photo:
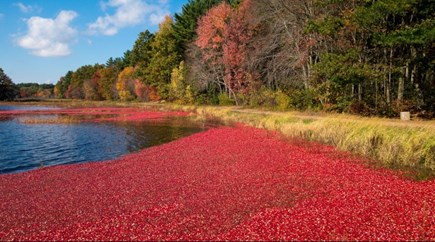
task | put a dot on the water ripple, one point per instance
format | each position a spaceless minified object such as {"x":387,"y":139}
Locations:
{"x":25,"y":146}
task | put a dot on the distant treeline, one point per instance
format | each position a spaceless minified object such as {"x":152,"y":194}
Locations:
{"x":11,"y":91}
{"x":367,"y":57}
{"x":35,"y":90}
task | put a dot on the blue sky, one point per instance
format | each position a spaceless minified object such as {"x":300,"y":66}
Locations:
{"x":41,"y":40}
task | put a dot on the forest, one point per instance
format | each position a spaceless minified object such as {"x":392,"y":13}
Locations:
{"x":366,"y":57}
{"x":23,"y":91}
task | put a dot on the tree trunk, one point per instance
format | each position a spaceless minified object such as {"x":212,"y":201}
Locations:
{"x":305,"y":74}
{"x":401,"y":87}
{"x":390,"y":71}
{"x":353,"y":91}
{"x":376,"y":95}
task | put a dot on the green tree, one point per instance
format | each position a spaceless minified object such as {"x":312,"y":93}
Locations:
{"x":7,"y":90}
{"x":140,"y":54}
{"x":63,"y":84}
{"x":116,"y":63}
{"x":164,"y":57}
{"x":128,"y":58}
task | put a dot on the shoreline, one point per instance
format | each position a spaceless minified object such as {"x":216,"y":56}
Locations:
{"x":394,"y":144}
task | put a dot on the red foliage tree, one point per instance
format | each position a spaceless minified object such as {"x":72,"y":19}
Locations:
{"x":211,"y":36}
{"x":212,"y":27}
{"x":223,"y":37}
{"x":238,"y":34}
{"x":140,"y":90}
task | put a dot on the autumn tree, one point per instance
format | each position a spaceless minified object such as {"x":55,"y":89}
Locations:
{"x":125,"y":84}
{"x":34,"y":90}
{"x":106,"y":84}
{"x":178,"y":86}
{"x":91,"y":86}
{"x":186,"y":22}
{"x":367,"y":57}
{"x":82,"y":74}
{"x":140,"y":90}
{"x":238,"y":35}
{"x":211,"y":29}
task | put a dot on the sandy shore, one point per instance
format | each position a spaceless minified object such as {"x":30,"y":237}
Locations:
{"x":229,"y":183}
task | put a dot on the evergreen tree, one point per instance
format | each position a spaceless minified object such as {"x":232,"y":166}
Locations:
{"x":63,"y":84}
{"x":7,"y":90}
{"x":140,"y":54}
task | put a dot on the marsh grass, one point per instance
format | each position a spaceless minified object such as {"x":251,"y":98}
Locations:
{"x":392,"y":143}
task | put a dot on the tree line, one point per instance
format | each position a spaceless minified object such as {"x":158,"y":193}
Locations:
{"x":11,"y":91}
{"x":371,"y":57}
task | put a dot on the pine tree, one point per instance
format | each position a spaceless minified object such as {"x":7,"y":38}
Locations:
{"x":7,"y":90}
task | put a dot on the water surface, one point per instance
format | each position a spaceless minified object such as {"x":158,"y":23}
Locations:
{"x":26,"y":146}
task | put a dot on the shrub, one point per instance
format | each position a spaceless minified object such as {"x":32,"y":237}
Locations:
{"x":303,"y":99}
{"x":189,"y":96}
{"x":282,"y":100}
{"x":263,"y":97}
{"x":224,"y":100}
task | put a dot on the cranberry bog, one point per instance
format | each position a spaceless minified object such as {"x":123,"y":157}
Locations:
{"x":226,"y":183}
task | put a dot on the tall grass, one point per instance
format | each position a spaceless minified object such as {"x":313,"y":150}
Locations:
{"x":390,"y":142}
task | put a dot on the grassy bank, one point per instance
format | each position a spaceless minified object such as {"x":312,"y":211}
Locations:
{"x":391,"y":142}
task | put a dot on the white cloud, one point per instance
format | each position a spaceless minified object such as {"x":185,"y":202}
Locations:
{"x":48,"y":37}
{"x":1,"y":16}
{"x":128,"y":13}
{"x":28,"y":8}
{"x":157,"y":18}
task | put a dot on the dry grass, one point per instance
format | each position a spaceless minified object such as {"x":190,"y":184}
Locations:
{"x":58,"y":120}
{"x":391,"y":142}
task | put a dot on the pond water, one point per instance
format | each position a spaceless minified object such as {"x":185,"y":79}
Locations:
{"x":26,"y":146}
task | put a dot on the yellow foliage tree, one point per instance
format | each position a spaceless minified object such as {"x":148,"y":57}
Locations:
{"x":125,"y":84}
{"x":178,"y":79}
